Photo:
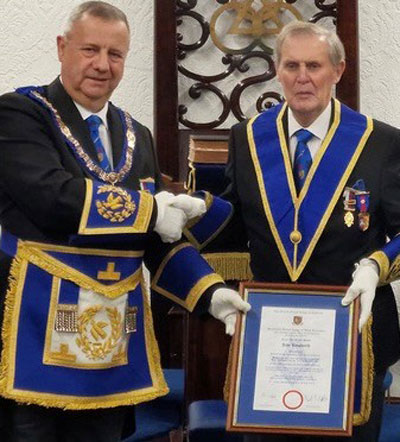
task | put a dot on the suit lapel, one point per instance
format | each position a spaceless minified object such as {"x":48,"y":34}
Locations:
{"x":297,"y":221}
{"x":117,"y":134}
{"x":71,"y":117}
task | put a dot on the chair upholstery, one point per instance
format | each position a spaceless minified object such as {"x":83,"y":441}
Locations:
{"x":206,"y":422}
{"x":390,"y":431}
{"x":157,"y":418}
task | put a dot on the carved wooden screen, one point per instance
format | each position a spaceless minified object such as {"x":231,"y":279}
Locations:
{"x":239,"y":34}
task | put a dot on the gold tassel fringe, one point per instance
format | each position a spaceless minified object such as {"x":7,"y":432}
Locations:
{"x":231,"y":266}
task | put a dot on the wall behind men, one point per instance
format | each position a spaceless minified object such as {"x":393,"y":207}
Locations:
{"x":28,"y":52}
{"x":380,"y":59}
{"x":28,"y":31}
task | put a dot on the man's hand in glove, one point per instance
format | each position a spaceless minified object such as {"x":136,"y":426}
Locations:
{"x":170,"y":220}
{"x":365,"y":281}
{"x":225,"y":304}
{"x":192,"y":206}
{"x":174,"y":212}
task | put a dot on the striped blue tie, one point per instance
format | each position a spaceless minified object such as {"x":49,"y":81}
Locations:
{"x":302,"y":158}
{"x":94,"y":123}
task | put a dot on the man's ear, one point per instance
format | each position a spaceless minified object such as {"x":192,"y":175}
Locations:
{"x":339,"y":70}
{"x":60,"y":47}
{"x":278,"y":77}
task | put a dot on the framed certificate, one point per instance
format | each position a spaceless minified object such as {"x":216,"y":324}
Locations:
{"x":294,"y":358}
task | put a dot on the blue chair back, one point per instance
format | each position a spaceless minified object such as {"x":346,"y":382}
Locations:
{"x":159,"y":417}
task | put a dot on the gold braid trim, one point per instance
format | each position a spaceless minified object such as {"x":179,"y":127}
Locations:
{"x":190,"y":183}
{"x":69,"y":402}
{"x":195,"y":293}
{"x":231,"y":266}
{"x":367,"y":375}
{"x":152,"y":349}
{"x":229,"y":367}
{"x":208,"y":200}
{"x":8,"y":338}
{"x":63,"y":271}
{"x":384,"y":266}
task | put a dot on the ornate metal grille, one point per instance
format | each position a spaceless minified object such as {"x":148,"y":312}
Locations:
{"x":225,"y":55}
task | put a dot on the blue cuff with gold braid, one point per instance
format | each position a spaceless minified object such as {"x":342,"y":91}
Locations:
{"x":183,"y":276}
{"x":110,"y":209}
{"x":200,"y":231}
{"x":388,"y":260}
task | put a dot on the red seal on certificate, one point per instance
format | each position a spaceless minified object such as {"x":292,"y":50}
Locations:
{"x":292,"y":399}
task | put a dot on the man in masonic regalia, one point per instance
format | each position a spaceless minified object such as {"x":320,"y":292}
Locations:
{"x":315,"y":189}
{"x":81,"y":210}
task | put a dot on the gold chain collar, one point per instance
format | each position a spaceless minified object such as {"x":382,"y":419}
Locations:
{"x":108,"y":177}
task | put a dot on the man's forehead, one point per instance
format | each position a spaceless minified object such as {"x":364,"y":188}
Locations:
{"x":90,"y":22}
{"x":302,"y":37}
{"x":304,"y":46}
{"x":87,"y":31}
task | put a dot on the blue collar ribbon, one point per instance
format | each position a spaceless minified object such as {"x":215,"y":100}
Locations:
{"x":297,"y":221}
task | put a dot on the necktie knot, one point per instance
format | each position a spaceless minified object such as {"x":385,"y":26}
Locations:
{"x":303,"y":135}
{"x":94,"y":121}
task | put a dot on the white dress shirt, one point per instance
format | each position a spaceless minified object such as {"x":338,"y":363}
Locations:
{"x":319,"y":128}
{"x":103,"y":129}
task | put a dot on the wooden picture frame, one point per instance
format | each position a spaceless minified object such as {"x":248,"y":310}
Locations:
{"x":294,"y":356}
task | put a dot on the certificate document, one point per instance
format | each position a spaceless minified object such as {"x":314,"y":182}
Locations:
{"x":295,"y":356}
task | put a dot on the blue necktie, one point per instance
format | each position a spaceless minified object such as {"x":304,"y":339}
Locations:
{"x":94,"y":123}
{"x":302,"y":158}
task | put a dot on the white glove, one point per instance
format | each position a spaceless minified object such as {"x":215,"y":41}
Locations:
{"x":192,"y":206}
{"x":170,"y":221}
{"x":365,"y":281}
{"x":225,"y":304}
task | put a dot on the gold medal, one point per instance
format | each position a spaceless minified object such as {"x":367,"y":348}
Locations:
{"x":363,"y":221}
{"x":349,"y":219}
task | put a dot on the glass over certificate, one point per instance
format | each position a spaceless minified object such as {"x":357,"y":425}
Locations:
{"x":294,"y":359}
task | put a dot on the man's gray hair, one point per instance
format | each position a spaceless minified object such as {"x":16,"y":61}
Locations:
{"x":336,"y":48}
{"x":96,"y":9}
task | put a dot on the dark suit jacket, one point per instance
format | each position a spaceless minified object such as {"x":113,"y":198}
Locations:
{"x":42,"y":186}
{"x":339,"y":247}
{"x":41,"y":182}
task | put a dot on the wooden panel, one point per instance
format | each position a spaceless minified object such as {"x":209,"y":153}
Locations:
{"x":166,"y":87}
{"x":348,"y":90}
{"x":206,"y":355}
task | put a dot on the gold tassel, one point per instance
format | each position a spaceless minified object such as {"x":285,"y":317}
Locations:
{"x":6,"y":334}
{"x":231,"y":266}
{"x":367,"y":375}
{"x":229,"y":367}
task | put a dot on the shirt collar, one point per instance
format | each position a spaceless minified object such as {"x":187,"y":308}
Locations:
{"x":318,"y":128}
{"x":85,"y":113}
